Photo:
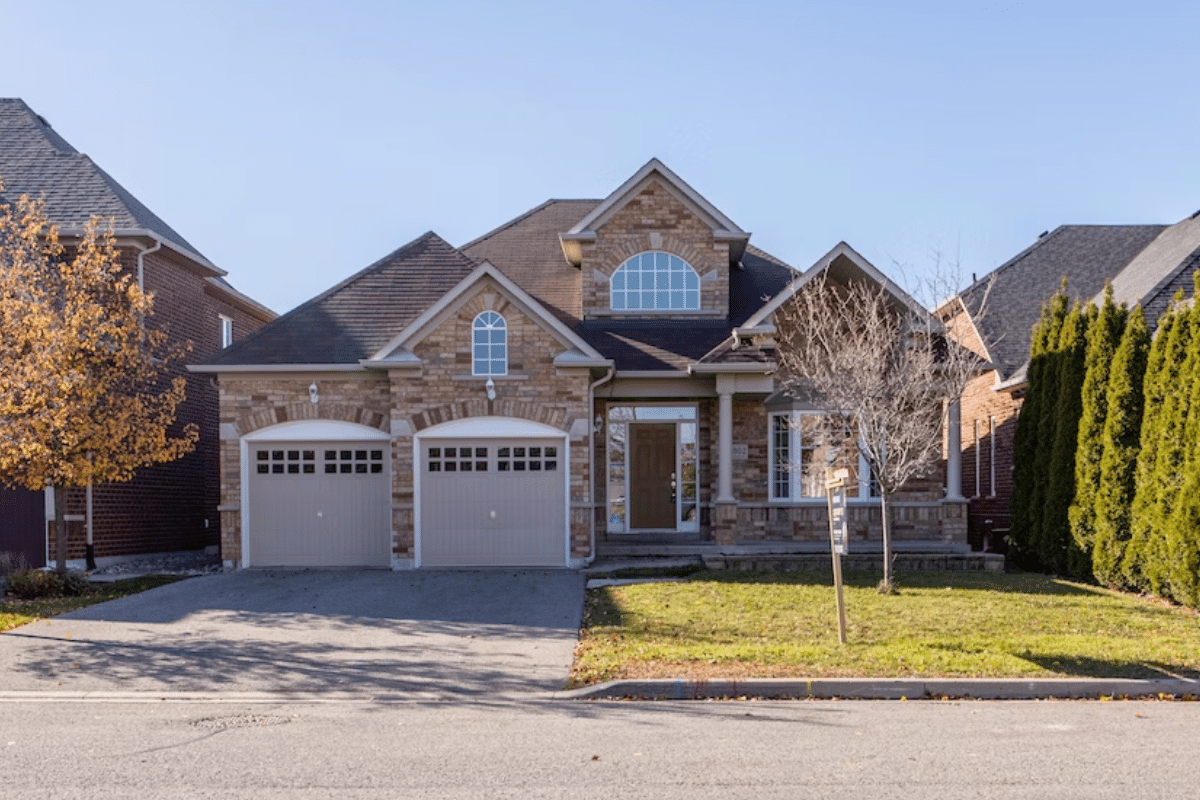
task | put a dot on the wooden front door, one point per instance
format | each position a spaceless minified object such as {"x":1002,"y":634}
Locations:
{"x":652,"y":475}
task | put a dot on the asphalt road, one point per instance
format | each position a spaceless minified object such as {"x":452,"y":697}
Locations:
{"x":507,"y":748}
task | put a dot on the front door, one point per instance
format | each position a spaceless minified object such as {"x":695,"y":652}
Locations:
{"x":652,"y":475}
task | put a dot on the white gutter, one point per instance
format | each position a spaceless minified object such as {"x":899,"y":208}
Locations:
{"x":142,"y":251}
{"x":612,"y":370}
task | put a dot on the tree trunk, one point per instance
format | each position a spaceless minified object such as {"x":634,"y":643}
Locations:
{"x":885,"y":515}
{"x":60,"y":531}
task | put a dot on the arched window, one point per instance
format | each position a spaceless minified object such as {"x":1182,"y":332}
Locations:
{"x":655,"y":281}
{"x":489,"y":345}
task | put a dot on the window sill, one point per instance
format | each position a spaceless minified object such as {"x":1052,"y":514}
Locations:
{"x":486,"y":378}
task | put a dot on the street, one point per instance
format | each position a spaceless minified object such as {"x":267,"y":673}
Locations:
{"x":513,"y":746}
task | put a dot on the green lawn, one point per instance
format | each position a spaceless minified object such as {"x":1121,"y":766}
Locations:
{"x":722,"y":624}
{"x":15,"y":613}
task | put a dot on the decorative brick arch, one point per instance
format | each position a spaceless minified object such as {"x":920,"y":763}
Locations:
{"x":482,"y":407}
{"x":292,"y":412}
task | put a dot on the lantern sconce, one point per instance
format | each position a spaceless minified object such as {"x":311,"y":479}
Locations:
{"x":598,"y":423}
{"x":491,"y":389}
{"x":312,"y":392}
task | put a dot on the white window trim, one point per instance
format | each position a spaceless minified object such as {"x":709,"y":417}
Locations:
{"x":502,"y":326}
{"x":992,"y":455}
{"x":978,"y":462}
{"x":627,"y":310}
{"x":794,"y":476}
{"x":226,"y":330}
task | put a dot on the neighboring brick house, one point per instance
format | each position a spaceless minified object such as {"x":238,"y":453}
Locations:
{"x":169,"y":507}
{"x":1146,"y":264}
{"x":591,"y":377}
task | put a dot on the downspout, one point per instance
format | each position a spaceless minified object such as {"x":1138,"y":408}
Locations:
{"x":141,"y":268}
{"x":592,"y":456}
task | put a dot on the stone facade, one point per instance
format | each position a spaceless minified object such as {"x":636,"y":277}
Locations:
{"x":405,"y":402}
{"x":655,"y":220}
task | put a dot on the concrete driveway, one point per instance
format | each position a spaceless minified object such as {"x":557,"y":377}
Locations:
{"x":366,"y":632}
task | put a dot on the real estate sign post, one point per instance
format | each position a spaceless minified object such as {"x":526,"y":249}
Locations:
{"x":835,"y":491}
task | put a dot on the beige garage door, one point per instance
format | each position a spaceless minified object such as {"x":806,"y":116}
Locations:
{"x":493,"y":502}
{"x":319,"y":504}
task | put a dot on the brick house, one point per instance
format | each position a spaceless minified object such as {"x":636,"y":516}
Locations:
{"x":165,"y":508}
{"x":1146,"y":264}
{"x":594,"y":376}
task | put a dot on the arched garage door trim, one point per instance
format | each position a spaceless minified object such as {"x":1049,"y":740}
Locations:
{"x":491,"y":428}
{"x":300,"y":430}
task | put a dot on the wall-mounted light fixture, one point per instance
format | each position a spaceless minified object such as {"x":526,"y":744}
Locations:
{"x":312,"y":392}
{"x":491,"y":389}
{"x":598,"y":423}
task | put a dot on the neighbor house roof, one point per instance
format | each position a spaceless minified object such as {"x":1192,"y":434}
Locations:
{"x":1154,"y":274}
{"x":1005,"y":304}
{"x":36,"y":161}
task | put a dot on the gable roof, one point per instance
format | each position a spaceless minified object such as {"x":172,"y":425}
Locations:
{"x":37,"y":161}
{"x":1086,"y":255}
{"x":722,"y":226}
{"x":354,"y":319}
{"x":1154,"y":273}
{"x":357,"y":318}
{"x":400,"y":346}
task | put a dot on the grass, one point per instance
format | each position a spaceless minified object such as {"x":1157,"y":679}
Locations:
{"x":14,"y":613}
{"x":737,"y":625}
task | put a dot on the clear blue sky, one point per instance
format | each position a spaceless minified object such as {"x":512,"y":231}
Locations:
{"x":293,"y":143}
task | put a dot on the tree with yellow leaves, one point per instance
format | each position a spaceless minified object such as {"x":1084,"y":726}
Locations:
{"x":85,"y":389}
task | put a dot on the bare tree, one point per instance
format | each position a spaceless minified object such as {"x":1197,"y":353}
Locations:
{"x":882,"y":368}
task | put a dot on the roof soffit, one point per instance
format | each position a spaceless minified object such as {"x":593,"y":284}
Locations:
{"x":400,"y":348}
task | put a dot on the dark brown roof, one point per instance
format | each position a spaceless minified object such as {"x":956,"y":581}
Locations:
{"x":354,"y":319}
{"x":1086,"y":255}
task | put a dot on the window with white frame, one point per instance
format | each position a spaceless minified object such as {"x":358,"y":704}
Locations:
{"x":992,"y":456}
{"x":655,"y":281}
{"x":226,"y":330}
{"x":802,"y":444}
{"x":489,"y":337}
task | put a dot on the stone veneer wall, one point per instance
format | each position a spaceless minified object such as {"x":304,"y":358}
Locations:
{"x":655,"y":220}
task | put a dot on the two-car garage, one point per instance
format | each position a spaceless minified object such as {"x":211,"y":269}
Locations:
{"x":487,"y":492}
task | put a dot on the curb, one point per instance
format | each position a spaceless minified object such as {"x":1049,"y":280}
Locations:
{"x":884,"y":689}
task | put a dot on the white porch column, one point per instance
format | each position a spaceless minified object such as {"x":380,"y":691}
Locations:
{"x":725,"y":443}
{"x":954,"y":456}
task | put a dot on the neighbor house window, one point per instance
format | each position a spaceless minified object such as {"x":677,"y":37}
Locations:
{"x":978,"y":460}
{"x":802,"y":444}
{"x":655,"y":281}
{"x":992,"y":455}
{"x":489,"y":345}
{"x":226,"y":330}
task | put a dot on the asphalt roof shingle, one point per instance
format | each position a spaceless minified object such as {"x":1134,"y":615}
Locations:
{"x":1086,"y":255}
{"x":36,"y":161}
{"x":357,"y":317}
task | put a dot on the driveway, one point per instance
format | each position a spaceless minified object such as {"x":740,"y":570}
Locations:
{"x":361,"y":631}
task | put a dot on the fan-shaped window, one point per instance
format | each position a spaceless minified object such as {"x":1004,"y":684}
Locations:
{"x":489,"y":345}
{"x":655,"y":281}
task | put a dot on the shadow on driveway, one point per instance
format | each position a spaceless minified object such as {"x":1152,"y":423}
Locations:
{"x":368,"y":631}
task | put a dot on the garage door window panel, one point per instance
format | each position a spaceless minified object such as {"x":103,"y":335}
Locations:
{"x":285,"y":462}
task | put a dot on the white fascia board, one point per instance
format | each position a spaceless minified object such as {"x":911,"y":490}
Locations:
{"x":574,"y":358}
{"x":730,"y":369}
{"x":868,"y":270}
{"x":679,"y":187}
{"x":422,"y":325}
{"x":217,"y":368}
{"x":144,"y":233}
